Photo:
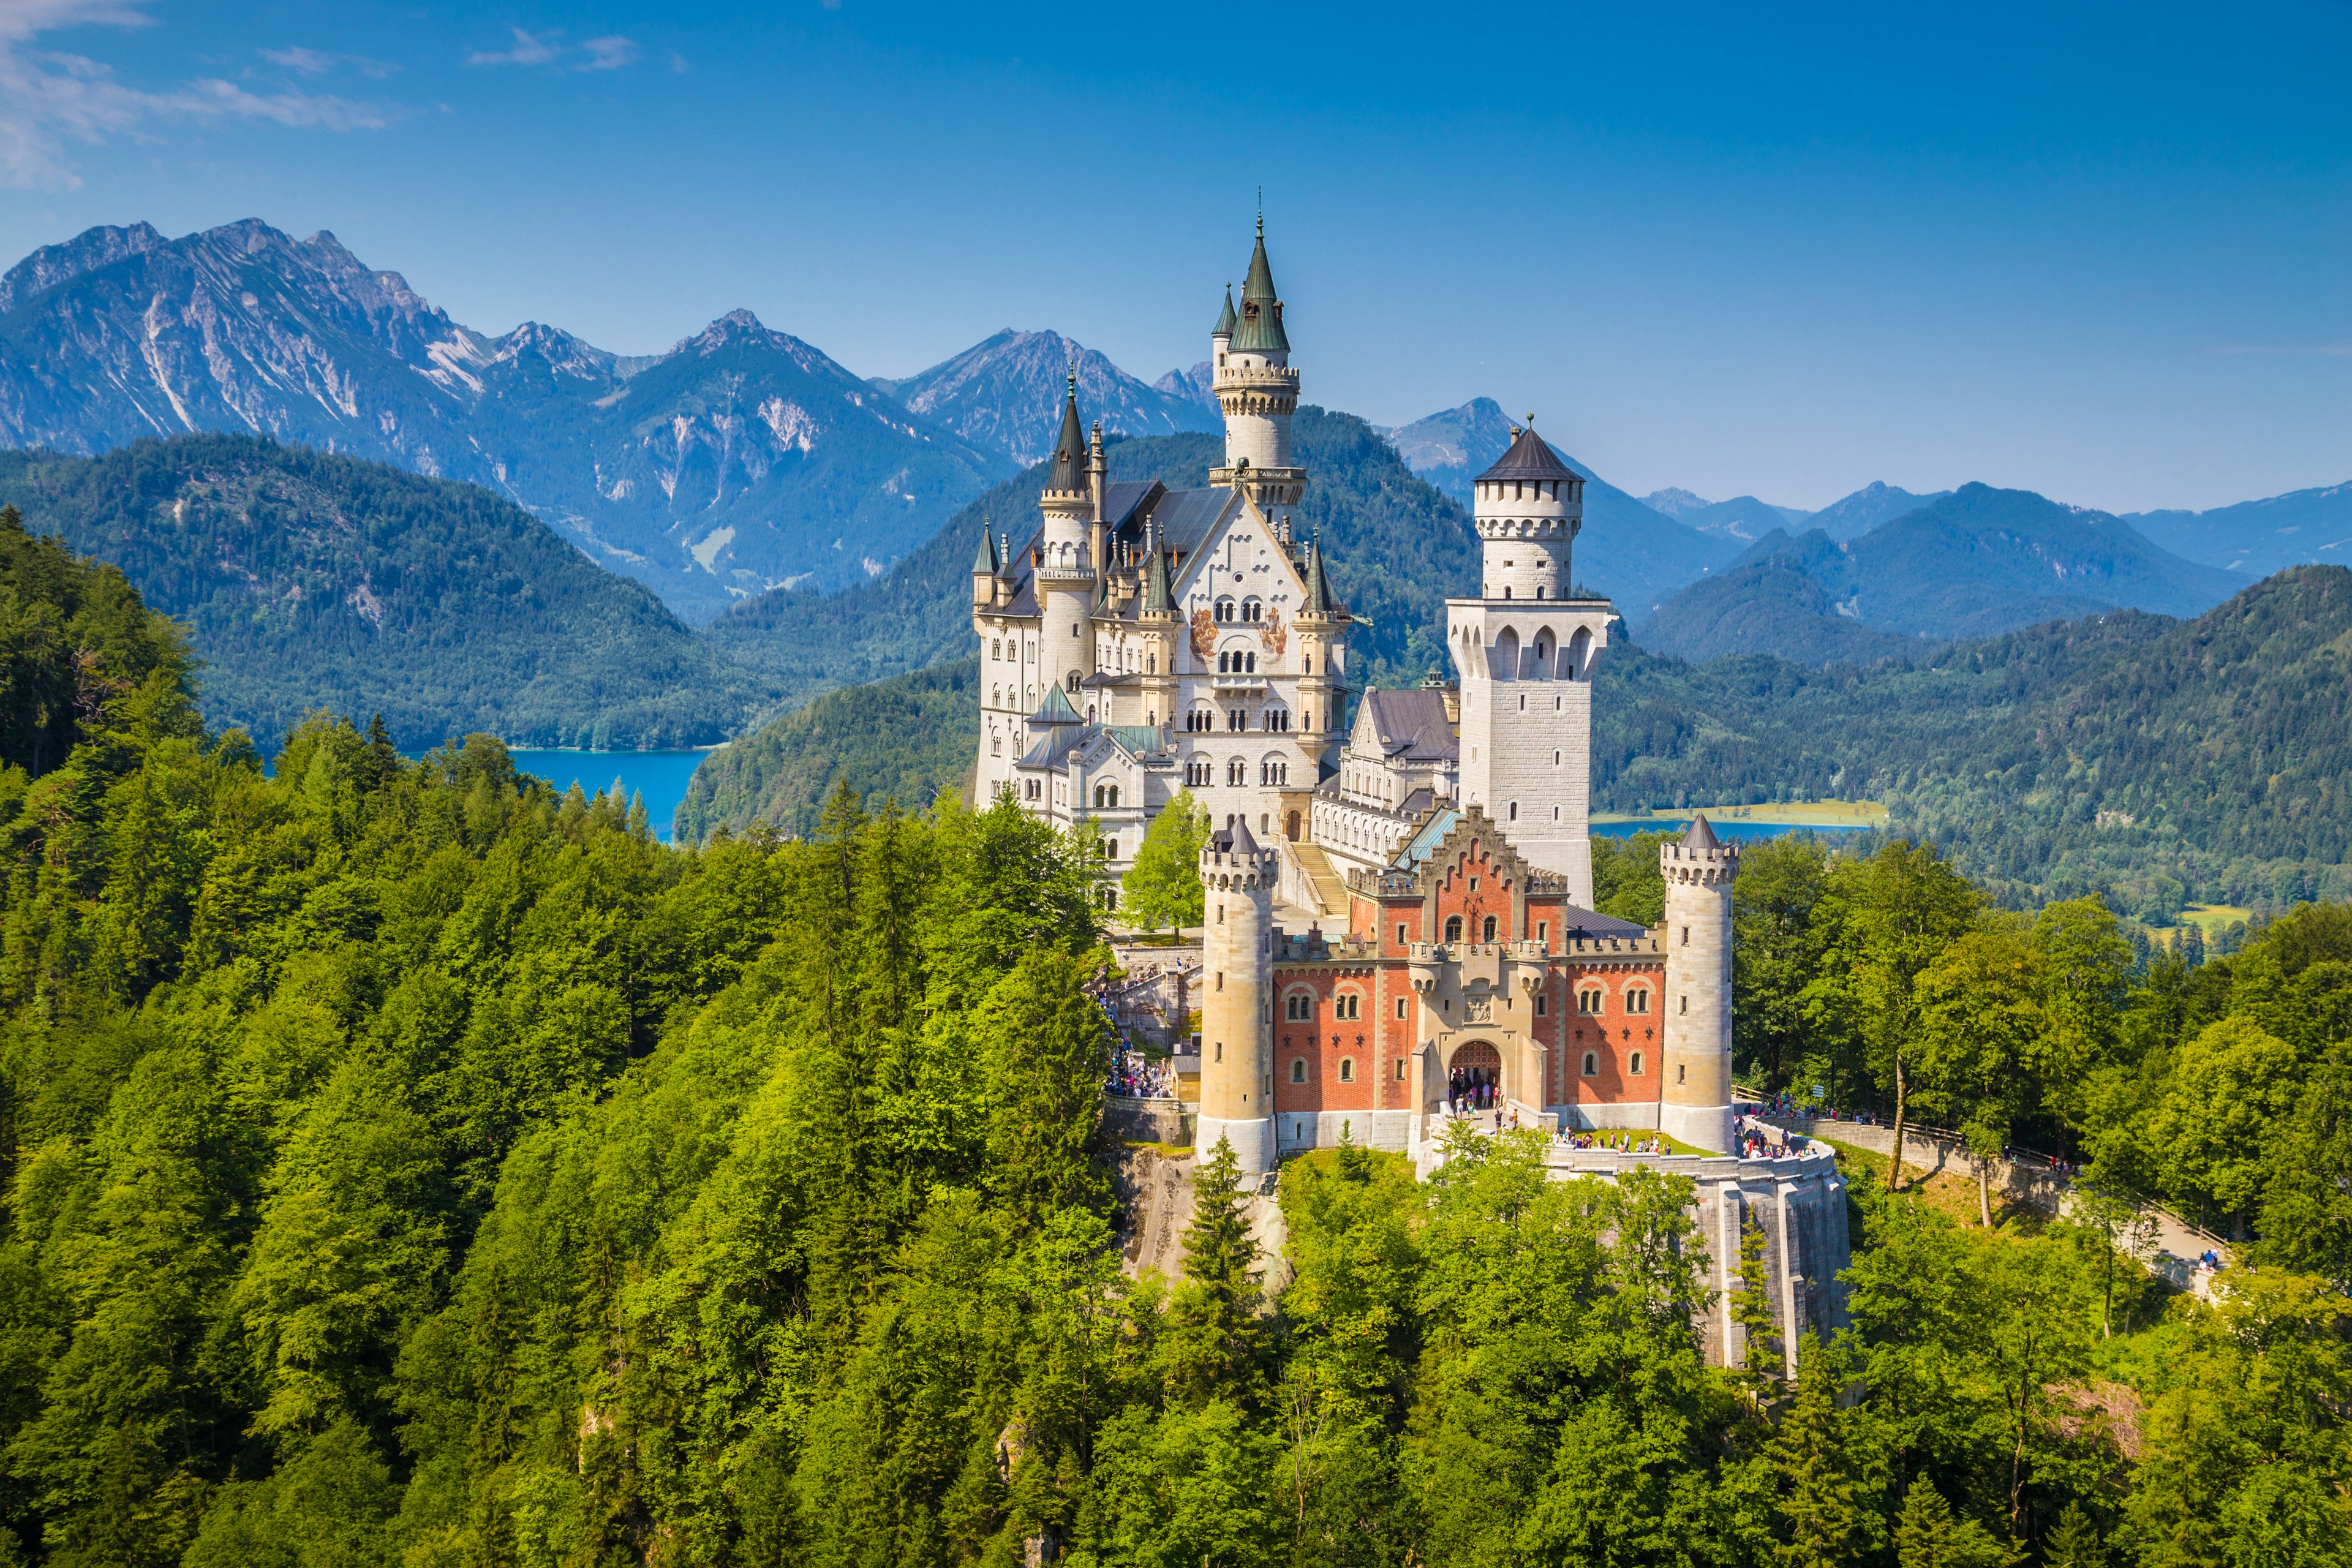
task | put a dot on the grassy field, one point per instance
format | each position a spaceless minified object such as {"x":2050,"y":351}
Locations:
{"x":1770,"y":813}
{"x":2214,"y":918}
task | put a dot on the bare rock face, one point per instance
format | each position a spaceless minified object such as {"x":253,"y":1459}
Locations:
{"x":1004,"y":395}
{"x":1155,"y":1195}
{"x":744,"y":459}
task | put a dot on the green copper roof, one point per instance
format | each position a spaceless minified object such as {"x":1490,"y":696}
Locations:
{"x":1225,"y":318}
{"x":1069,"y":447}
{"x":985,"y":562}
{"x":1261,"y":325}
{"x":1055,"y":710}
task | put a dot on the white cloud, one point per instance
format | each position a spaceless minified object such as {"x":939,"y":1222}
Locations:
{"x":50,"y":101}
{"x":529,"y":50}
{"x":311,"y":62}
{"x":609,"y":53}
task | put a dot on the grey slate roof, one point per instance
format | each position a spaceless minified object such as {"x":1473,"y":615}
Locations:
{"x":1528,"y":457}
{"x":1320,"y":600}
{"x":1183,"y":518}
{"x":1698,"y":835}
{"x":1411,"y":725}
{"x":1069,"y":448}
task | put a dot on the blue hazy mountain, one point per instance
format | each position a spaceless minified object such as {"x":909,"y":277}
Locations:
{"x":2260,"y":536}
{"x":741,"y":459}
{"x":1004,"y":396}
{"x":1633,"y":553}
{"x":1851,"y":517}
{"x":1978,"y":563}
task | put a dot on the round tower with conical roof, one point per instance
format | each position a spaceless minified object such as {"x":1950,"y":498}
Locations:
{"x":1066,"y":570}
{"x":1237,"y":883}
{"x":1529,"y":507}
{"x":1257,"y":391}
{"x":1695,"y":1099}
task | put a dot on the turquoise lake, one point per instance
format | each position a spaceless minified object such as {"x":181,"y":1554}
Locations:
{"x":662,"y":775}
{"x":1744,"y":832}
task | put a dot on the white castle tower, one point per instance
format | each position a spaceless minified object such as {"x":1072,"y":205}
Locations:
{"x":1524,"y":649}
{"x":1695,"y":1101}
{"x":1257,"y":391}
{"x":1066,"y":565}
{"x":1237,"y":882}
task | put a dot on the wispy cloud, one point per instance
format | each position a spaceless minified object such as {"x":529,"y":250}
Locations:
{"x":609,"y":53}
{"x":50,"y":101}
{"x":312,"y":63}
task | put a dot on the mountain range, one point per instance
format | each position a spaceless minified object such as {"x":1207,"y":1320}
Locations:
{"x":1003,"y":395}
{"x":741,"y":460}
{"x":2260,"y":537}
{"x":1976,"y":563}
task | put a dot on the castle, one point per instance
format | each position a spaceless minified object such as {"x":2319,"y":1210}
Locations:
{"x":1146,"y":641}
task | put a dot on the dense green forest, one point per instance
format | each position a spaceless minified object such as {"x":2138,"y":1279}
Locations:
{"x":310,"y":581}
{"x":408,"y":1166}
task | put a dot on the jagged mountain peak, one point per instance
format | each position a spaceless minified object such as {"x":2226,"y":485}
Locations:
{"x":53,"y":265}
{"x":1005,"y":393}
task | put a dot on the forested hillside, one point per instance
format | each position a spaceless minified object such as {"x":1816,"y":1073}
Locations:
{"x":310,"y":581}
{"x":408,"y":1166}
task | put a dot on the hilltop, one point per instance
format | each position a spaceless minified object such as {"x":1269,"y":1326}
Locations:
{"x":310,"y":581}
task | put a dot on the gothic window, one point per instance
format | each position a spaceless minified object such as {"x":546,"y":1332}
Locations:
{"x":1298,"y":1070}
{"x":996,"y":745}
{"x":995,"y":649}
{"x":1346,"y":1069}
{"x":1454,"y":928}
{"x":1487,"y":929}
{"x":1297,"y":1006}
{"x":1348,"y":1004}
{"x":1637,"y":1000}
{"x":1588,"y":1000}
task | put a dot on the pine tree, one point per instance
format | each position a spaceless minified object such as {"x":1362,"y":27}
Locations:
{"x":1820,"y":1499}
{"x":1212,"y":1329}
{"x":2074,"y":1544}
{"x":1927,"y":1535}
{"x":1751,"y":1309}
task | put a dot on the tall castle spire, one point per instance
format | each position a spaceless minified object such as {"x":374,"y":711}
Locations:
{"x":1257,"y":391}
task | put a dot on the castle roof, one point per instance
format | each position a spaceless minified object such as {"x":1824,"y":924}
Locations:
{"x":1070,"y":446}
{"x":1260,"y":330}
{"x":1234,"y":840}
{"x":1529,"y":457}
{"x":1700,"y":836}
{"x":1055,"y":710}
{"x":1321,"y":598}
{"x":1409,"y":725}
{"x":984,"y":564}
{"x":1157,"y":596}
{"x":1226,"y":319}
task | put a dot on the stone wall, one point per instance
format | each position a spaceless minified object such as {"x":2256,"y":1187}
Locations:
{"x":1147,"y":1120}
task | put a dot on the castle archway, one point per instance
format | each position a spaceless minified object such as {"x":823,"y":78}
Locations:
{"x":1474,"y":1075}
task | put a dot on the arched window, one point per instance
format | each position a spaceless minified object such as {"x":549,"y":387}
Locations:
{"x":1591,"y":1064}
{"x":1486,"y":929}
{"x":1348,"y":1004}
{"x":1633,"y":1064}
{"x":1251,"y":610}
{"x":1454,"y":928}
{"x":1346,"y":1069}
{"x":1224,"y":611}
{"x":1074,"y":681}
{"x":995,"y":649}
{"x":1515,"y":811}
{"x":1637,"y":1000}
{"x":1253,"y":662}
{"x":1236,"y":773}
{"x":1589,"y":1000}
{"x":1507,"y":656}
{"x":1298,"y":1070}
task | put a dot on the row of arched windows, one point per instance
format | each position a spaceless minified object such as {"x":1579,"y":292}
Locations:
{"x":1228,"y":612}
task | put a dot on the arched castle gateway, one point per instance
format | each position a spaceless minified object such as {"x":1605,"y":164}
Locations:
{"x":1143,"y":641}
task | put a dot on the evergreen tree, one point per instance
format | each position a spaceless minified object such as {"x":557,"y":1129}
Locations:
{"x":2075,"y":1541}
{"x":1822,"y":1501}
{"x":1927,"y":1536}
{"x":1214,"y":1333}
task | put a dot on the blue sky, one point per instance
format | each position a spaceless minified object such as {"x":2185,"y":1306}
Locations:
{"x":2103,"y":253}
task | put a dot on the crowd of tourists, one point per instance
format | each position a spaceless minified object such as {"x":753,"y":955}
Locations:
{"x":1623,"y":1143}
{"x":1136,"y":1076}
{"x":1473,"y":1089}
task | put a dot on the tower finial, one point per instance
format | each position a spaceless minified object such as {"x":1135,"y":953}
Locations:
{"x":1261,"y":212}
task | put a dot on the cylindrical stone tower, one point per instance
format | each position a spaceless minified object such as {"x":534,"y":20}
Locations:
{"x":1257,"y":390}
{"x":1529,"y":508}
{"x":1066,"y":566}
{"x":1696,"y":1102}
{"x":1237,"y":882}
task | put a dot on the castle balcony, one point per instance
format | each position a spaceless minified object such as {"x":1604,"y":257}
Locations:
{"x":1238,"y":685}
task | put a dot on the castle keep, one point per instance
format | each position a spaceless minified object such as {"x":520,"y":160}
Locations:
{"x":1144,"y":641}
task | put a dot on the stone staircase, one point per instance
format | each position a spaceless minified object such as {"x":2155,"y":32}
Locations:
{"x":1330,"y":900}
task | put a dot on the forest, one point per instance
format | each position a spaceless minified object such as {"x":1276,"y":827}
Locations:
{"x":407,"y":1165}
